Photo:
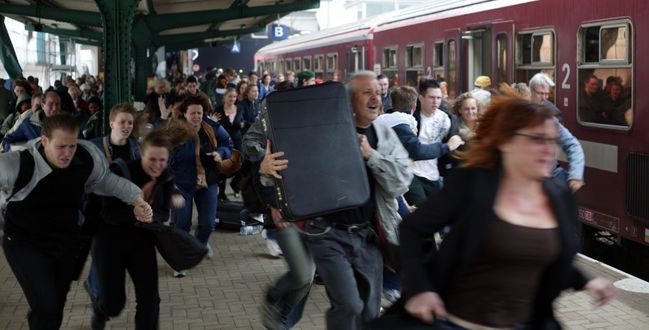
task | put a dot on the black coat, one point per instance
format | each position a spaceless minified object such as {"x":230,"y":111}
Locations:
{"x":466,"y":203}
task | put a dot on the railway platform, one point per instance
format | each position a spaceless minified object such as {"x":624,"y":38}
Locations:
{"x":226,"y":291}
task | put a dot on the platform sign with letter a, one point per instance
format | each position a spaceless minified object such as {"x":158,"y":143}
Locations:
{"x":236,"y":48}
{"x":278,"y":32}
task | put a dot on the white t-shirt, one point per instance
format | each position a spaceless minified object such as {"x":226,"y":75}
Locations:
{"x":432,"y":129}
{"x":397,"y":118}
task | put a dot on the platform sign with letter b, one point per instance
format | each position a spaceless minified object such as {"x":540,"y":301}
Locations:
{"x":278,"y":32}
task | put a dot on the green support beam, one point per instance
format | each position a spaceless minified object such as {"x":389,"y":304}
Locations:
{"x":7,"y":52}
{"x":86,"y":34}
{"x":142,"y":46}
{"x":64,"y":15}
{"x":117,"y":20}
{"x":176,"y":20}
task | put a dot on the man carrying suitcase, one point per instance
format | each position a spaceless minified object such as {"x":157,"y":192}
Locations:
{"x":345,"y":244}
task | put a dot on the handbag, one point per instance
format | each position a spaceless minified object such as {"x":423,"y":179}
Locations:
{"x":228,"y":167}
{"x":177,"y":247}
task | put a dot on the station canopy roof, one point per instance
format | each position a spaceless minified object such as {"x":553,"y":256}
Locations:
{"x":169,"y":22}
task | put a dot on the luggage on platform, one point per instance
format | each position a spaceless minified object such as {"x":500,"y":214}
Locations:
{"x":232,"y":216}
{"x":314,"y":127}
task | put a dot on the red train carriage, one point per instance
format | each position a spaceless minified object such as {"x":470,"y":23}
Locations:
{"x":582,"y":44}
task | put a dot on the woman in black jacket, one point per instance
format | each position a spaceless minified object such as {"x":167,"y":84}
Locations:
{"x":120,"y":246}
{"x":514,"y":232}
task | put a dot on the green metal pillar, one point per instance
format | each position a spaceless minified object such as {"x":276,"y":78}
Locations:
{"x":7,"y":53}
{"x":143,"y":57}
{"x":117,"y":20}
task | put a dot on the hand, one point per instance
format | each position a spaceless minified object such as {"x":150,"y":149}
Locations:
{"x":217,"y":157}
{"x":575,"y":184}
{"x":178,"y":201}
{"x":143,"y":211}
{"x":216,"y":116}
{"x":277,"y":219}
{"x":270,"y":165}
{"x":454,"y":142}
{"x":603,"y":289}
{"x":425,"y":305}
{"x":366,"y":148}
{"x":164,"y":112}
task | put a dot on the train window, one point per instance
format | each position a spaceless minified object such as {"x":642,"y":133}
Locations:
{"x":438,"y":61}
{"x":452,"y":69}
{"x":438,"y":55}
{"x":605,"y":84}
{"x":332,"y":62}
{"x":297,"y":62}
{"x":502,"y":52}
{"x":390,"y":58}
{"x":306,"y":63}
{"x":318,"y":65}
{"x":613,"y":44}
{"x":415,"y":56}
{"x":535,"y":51}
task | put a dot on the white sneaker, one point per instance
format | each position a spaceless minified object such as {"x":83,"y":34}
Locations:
{"x":273,"y":248}
{"x":210,"y":252}
{"x":180,"y":274}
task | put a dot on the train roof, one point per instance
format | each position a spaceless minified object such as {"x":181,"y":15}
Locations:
{"x":363,"y":30}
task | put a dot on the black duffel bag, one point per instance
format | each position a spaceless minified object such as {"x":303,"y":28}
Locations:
{"x":177,"y":247}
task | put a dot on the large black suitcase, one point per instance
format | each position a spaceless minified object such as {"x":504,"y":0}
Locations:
{"x":315,"y":129}
{"x":228,"y":213}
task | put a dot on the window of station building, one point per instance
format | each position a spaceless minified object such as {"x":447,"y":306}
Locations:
{"x":297,"y":64}
{"x":288,"y":65}
{"x":452,"y":69}
{"x":502,"y":54}
{"x":306,"y":63}
{"x":390,"y":58}
{"x":605,"y":75}
{"x":535,"y":52}
{"x":438,"y":61}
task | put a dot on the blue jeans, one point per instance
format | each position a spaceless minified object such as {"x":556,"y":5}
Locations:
{"x":290,"y":292}
{"x":351,"y":267}
{"x":205,"y":200}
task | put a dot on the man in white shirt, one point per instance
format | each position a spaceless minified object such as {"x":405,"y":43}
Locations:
{"x":433,"y":127}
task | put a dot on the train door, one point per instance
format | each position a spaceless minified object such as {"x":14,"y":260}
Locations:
{"x":453,"y":67}
{"x":503,"y":55}
{"x":478,"y":54}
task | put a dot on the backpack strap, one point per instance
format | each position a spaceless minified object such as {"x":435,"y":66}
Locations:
{"x":123,"y":167}
{"x":25,"y":172}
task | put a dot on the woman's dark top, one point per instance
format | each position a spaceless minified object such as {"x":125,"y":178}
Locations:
{"x":116,"y":212}
{"x":121,"y":152}
{"x":249,"y":111}
{"x":497,"y":288}
{"x":232,"y":127}
{"x":466,"y":204}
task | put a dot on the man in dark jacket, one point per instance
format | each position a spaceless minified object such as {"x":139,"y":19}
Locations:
{"x":42,"y":230}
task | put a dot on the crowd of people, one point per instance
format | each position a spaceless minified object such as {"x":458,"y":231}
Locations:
{"x":464,"y":194}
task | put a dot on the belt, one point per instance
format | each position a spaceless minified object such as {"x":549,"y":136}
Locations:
{"x":470,"y":325}
{"x":352,"y":228}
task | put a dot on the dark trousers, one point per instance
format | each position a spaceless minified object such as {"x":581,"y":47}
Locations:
{"x":117,"y":249}
{"x":45,"y":278}
{"x":351,"y":267}
{"x":421,"y":189}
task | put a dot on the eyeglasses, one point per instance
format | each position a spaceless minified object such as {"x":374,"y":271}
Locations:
{"x":539,"y":139}
{"x":542,"y":93}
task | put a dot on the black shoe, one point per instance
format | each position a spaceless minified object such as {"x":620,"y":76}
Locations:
{"x":223,"y":199}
